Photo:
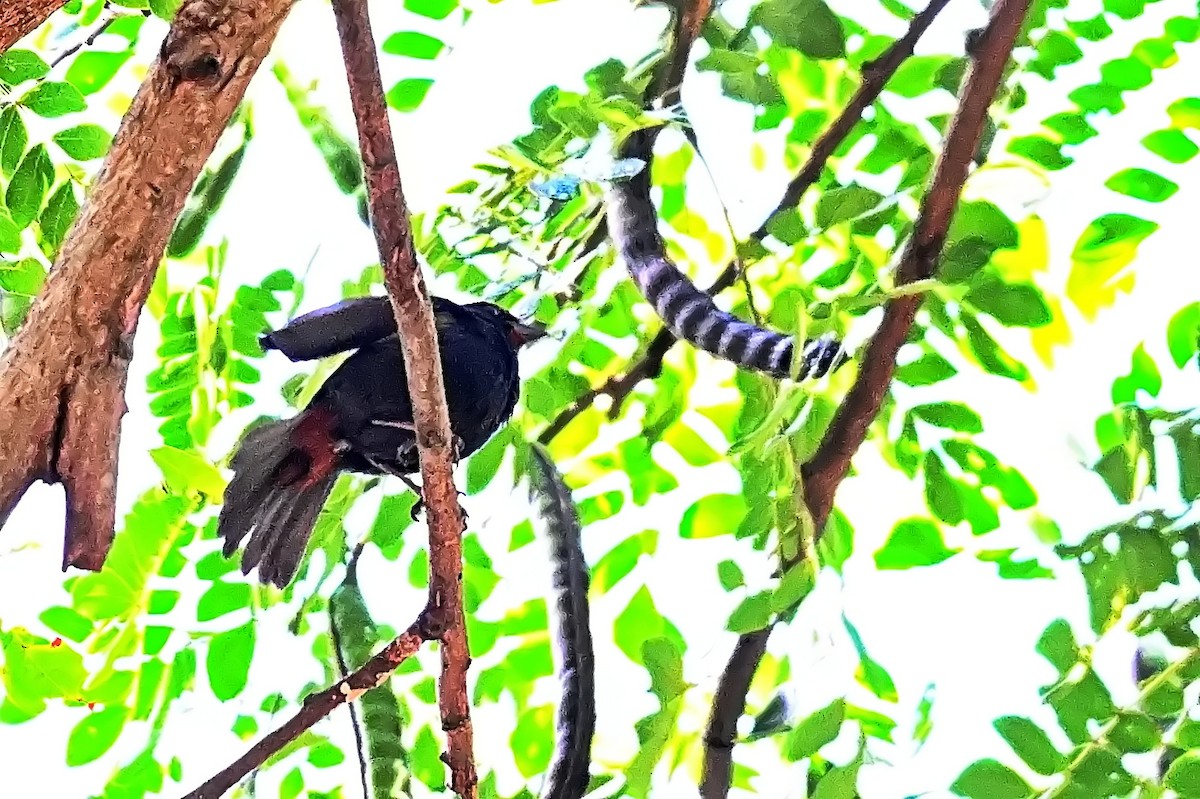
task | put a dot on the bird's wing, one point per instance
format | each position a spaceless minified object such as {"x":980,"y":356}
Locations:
{"x":345,"y":325}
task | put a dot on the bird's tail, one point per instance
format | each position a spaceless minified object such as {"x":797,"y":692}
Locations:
{"x":282,"y":474}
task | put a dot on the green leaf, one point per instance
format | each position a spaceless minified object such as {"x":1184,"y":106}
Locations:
{"x":228,"y":661}
{"x":840,"y":205}
{"x":10,"y":234}
{"x":165,"y":9}
{"x":1057,"y":645}
{"x":409,"y":93}
{"x":186,"y":471}
{"x":67,"y":622}
{"x":639,"y":622}
{"x":1142,"y":184}
{"x":1183,"y":334}
{"x":1183,"y":776}
{"x":1143,"y":375}
{"x":222,"y":598}
{"x":1171,"y":145}
{"x":433,"y":9}
{"x":917,"y":74}
{"x":1100,"y":257}
{"x":1011,"y":304}
{"x":619,"y":561}
{"x":57,"y":218}
{"x":942,"y":493}
{"x":29,"y":185}
{"x":35,"y":670}
{"x":413,"y":45}
{"x":1030,"y":744}
{"x":713,"y":515}
{"x":95,"y":734}
{"x":13,"y":138}
{"x":53,"y":99}
{"x":989,"y":779}
{"x":787,"y":225}
{"x":532,"y":740}
{"x":926,"y":370}
{"x":730,"y":575}
{"x":949,"y":415}
{"x":92,"y":70}
{"x":83,"y":142}
{"x":810,"y":734}
{"x":912,"y":543}
{"x":752,"y":613}
{"x":1041,"y":151}
{"x":18,"y":66}
{"x":807,"y":25}
{"x":840,"y":782}
{"x":664,"y":664}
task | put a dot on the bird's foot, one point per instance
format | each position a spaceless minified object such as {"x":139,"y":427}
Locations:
{"x":419,"y":506}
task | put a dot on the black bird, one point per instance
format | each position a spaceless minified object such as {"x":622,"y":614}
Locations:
{"x":361,"y":419}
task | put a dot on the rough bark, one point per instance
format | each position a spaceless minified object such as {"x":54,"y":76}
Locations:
{"x":62,"y":380}
{"x":419,"y":343}
{"x":825,"y":471}
{"x":19,"y":18}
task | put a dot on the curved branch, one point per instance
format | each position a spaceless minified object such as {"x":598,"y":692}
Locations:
{"x":828,"y":467}
{"x":62,"y":380}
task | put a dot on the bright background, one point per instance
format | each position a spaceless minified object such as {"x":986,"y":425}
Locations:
{"x":956,"y":625}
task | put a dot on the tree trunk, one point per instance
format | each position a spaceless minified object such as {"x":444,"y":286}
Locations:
{"x":19,"y":17}
{"x":62,"y":380}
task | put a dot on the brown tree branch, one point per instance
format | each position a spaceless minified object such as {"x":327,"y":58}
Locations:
{"x":62,"y":380}
{"x":18,"y":18}
{"x":418,"y":338}
{"x":316,"y":707}
{"x":442,"y":618}
{"x":875,"y":76}
{"x":828,"y":467}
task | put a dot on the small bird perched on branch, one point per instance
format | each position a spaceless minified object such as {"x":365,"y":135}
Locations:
{"x":361,"y":419}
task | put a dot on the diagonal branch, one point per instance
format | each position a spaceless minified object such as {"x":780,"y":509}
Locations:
{"x":316,"y":707}
{"x":62,"y":380}
{"x":828,"y":467}
{"x":418,"y":339}
{"x":18,"y":18}
{"x":875,"y":76}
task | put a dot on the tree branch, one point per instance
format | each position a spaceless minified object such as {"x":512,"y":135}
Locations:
{"x":875,"y":76}
{"x":316,"y":707}
{"x":828,"y":467}
{"x":442,"y":618}
{"x":18,"y":18}
{"x":62,"y":380}
{"x":418,"y":339}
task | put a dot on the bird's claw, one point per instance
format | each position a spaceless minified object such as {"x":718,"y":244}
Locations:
{"x":419,"y":506}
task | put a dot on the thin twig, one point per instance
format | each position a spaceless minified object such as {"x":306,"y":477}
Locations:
{"x":419,"y":343}
{"x":316,"y":707}
{"x":335,"y":636}
{"x":828,"y":467}
{"x":875,"y":76}
{"x":109,"y":17}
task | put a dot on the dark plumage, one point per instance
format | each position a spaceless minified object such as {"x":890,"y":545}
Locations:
{"x":361,"y":418}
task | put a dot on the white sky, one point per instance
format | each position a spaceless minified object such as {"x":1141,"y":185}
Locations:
{"x":956,"y":625}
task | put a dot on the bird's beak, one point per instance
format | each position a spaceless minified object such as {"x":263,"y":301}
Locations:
{"x":522,"y":333}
